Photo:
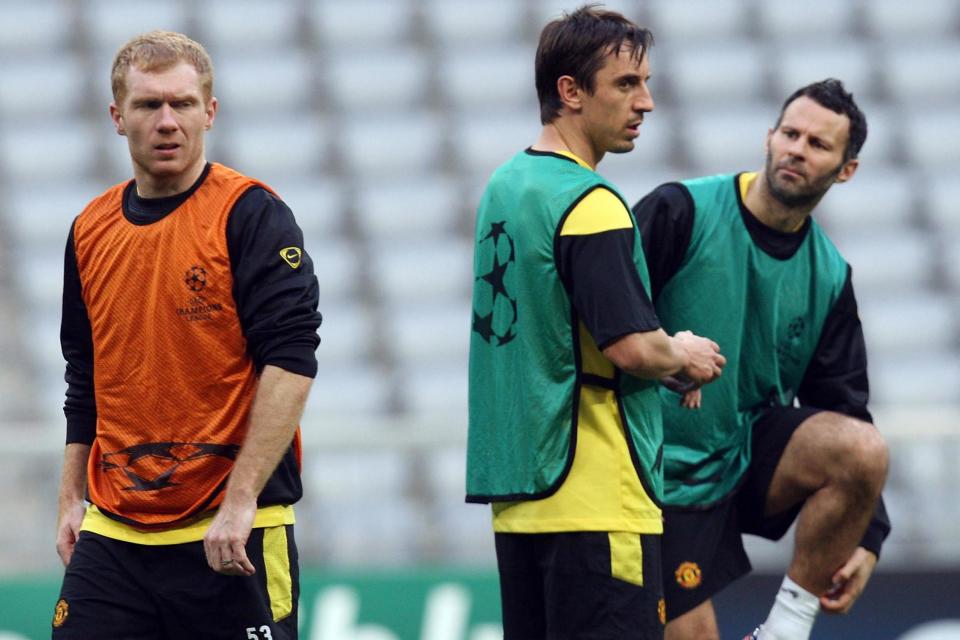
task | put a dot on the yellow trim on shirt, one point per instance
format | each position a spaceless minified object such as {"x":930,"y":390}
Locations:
{"x":746,"y":179}
{"x":575,"y":158}
{"x":599,"y":211}
{"x":96,"y":522}
{"x":592,"y":361}
{"x":602,"y":492}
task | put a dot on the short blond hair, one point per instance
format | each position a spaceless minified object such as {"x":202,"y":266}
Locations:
{"x":159,"y":51}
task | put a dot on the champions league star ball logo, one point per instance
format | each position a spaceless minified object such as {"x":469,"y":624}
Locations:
{"x":196,"y":278}
{"x":495,"y":313}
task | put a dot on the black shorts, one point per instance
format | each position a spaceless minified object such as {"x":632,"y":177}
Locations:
{"x":123,"y":591}
{"x":580,"y":585}
{"x":703,"y":548}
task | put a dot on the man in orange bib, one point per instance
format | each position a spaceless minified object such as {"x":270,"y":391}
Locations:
{"x":189,"y":329}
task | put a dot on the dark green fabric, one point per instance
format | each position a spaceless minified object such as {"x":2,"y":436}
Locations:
{"x":524,"y":344}
{"x":765,"y":313}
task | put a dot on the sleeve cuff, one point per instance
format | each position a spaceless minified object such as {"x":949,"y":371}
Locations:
{"x":873,"y":538}
{"x":295,"y":359}
{"x":81,"y":429}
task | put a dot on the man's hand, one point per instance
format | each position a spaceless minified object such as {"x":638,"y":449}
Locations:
{"x":849,"y":582}
{"x":225,"y":543}
{"x":68,"y":529}
{"x":689,"y":391}
{"x":704,"y":359}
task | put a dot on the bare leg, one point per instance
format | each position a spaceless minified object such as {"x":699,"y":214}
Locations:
{"x":700,"y":623}
{"x":838,"y":465}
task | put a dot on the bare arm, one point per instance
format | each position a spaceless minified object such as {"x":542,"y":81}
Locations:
{"x":277,"y":407}
{"x":73,"y":483}
{"x":654,"y":355}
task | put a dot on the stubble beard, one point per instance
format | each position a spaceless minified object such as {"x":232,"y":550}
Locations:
{"x":801,"y":197}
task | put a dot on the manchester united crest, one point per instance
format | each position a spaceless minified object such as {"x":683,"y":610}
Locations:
{"x":688,"y":575}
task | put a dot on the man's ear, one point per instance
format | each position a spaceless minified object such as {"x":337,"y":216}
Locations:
{"x":117,"y":118}
{"x":212,"y":107}
{"x":847,"y":170}
{"x":571,"y":95}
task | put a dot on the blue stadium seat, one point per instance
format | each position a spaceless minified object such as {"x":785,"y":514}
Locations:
{"x":717,"y":72}
{"x":469,"y":537}
{"x":424,"y":334}
{"x":900,"y":324}
{"x":437,"y":390}
{"x":485,"y":140}
{"x":878,"y":197}
{"x":885,"y":132}
{"x":346,"y":335}
{"x":391,"y":144}
{"x":848,"y":61}
{"x":345,"y":391}
{"x":546,"y":10}
{"x":336,"y":262}
{"x":951,"y":254}
{"x":893,"y":19}
{"x":690,"y":21}
{"x":319,"y":204}
{"x":478,"y":77}
{"x":943,"y":196}
{"x":421,"y":207}
{"x":241,"y":25}
{"x":273,"y":147}
{"x":280,"y":80}
{"x":929,"y":377}
{"x":931,"y":136}
{"x":888,"y":260}
{"x":110,"y":24}
{"x":786,"y":20}
{"x":354,"y":78}
{"x":42,"y":26}
{"x":358,"y":23}
{"x":45,"y":221}
{"x":421,"y":269}
{"x":62,"y":149}
{"x":454,"y":23}
{"x":726,"y":139}
{"x":939,"y":83}
{"x":37,"y":85}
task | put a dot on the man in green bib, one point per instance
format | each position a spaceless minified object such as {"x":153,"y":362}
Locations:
{"x":785,"y":435}
{"x":565,"y":429}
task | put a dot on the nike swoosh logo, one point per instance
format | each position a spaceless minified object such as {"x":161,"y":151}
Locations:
{"x":794,"y":593}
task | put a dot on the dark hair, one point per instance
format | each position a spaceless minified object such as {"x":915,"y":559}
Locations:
{"x":831,"y":94}
{"x":576,"y":45}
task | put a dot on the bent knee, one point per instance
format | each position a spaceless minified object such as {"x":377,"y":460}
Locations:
{"x":861,"y":449}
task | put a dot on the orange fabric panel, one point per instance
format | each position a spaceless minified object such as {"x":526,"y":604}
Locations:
{"x":172,"y":378}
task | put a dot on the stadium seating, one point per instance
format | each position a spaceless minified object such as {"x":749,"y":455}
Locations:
{"x":355,"y":24}
{"x":275,"y":147}
{"x":45,"y":84}
{"x":798,"y":66}
{"x":241,"y":25}
{"x":696,"y":20}
{"x":427,"y":207}
{"x":354,"y":79}
{"x":379,"y":123}
{"x":786,"y":21}
{"x":109,"y":24}
{"x":41,"y":26}
{"x":891,"y":20}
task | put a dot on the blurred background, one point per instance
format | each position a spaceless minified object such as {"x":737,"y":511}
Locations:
{"x":379,"y":122}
